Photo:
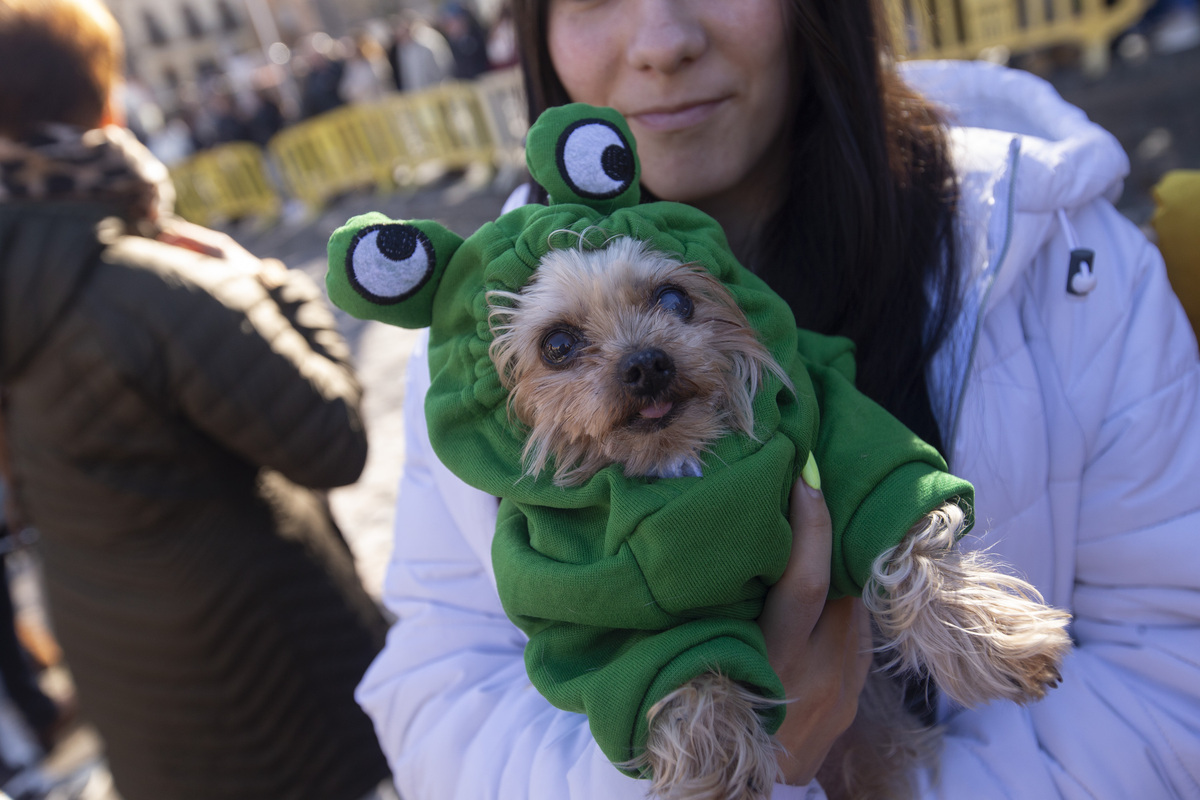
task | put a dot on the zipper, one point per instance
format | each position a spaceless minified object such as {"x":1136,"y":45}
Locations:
{"x":1011,"y":211}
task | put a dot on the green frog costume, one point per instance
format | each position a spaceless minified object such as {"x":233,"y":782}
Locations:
{"x":629,"y":587}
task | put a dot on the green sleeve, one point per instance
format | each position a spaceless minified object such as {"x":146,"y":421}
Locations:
{"x":878,"y":476}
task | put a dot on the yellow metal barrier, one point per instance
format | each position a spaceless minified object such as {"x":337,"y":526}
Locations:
{"x":501,"y":96}
{"x":399,"y":139}
{"x":415,"y":119}
{"x":969,"y":28}
{"x":450,"y":125}
{"x":1176,"y":222}
{"x":347,"y":149}
{"x":225,"y":183}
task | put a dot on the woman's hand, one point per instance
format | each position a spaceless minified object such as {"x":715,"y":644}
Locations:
{"x":820,"y":649}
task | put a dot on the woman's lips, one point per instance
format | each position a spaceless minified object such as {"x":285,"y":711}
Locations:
{"x":678,"y":118}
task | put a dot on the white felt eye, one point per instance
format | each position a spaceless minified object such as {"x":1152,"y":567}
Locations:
{"x":595,"y":160}
{"x":388,"y":263}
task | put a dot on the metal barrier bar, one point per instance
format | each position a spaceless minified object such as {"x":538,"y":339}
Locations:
{"x":1176,"y":222}
{"x":501,"y":97}
{"x":225,"y":183}
{"x":343,"y":150}
{"x":969,"y":28}
{"x":395,"y":141}
{"x":380,"y":145}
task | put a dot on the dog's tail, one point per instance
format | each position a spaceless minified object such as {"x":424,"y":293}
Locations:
{"x":876,"y":757}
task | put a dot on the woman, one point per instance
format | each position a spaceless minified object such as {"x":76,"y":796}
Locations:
{"x":953,"y":254}
{"x":169,"y":399}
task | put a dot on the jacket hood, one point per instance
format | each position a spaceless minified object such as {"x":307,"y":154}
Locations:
{"x":45,"y":253}
{"x":1069,"y":159}
{"x":1022,"y":153}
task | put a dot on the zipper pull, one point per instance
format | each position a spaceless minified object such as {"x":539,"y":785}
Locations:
{"x":1081,"y":273}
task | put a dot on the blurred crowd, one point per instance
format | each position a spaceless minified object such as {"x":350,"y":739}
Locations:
{"x":258,"y":94}
{"x":408,"y":51}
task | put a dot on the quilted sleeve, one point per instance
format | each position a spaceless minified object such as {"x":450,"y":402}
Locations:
{"x":878,"y":476}
{"x":253,"y":359}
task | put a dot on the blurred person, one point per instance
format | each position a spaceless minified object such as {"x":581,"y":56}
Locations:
{"x":955,"y":221}
{"x":1172,"y":26}
{"x":47,"y":718}
{"x":267,"y":118}
{"x":174,"y":142}
{"x":173,"y":407}
{"x":142,"y":113}
{"x":228,"y":122}
{"x":367,"y":74}
{"x":419,"y":56}
{"x":320,"y":65}
{"x":502,"y":39}
{"x":467,"y":40}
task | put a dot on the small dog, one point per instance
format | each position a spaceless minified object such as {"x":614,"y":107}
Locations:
{"x":622,"y":355}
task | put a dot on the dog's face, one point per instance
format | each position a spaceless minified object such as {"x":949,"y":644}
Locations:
{"x":622,"y":355}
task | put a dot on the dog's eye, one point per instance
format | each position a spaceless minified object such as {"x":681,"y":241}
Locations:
{"x":558,"y":347}
{"x":674,"y":300}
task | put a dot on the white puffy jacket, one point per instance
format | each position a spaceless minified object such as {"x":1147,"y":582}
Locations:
{"x":1077,"y":417}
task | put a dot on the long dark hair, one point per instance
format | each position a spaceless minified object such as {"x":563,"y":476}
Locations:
{"x":867,"y":223}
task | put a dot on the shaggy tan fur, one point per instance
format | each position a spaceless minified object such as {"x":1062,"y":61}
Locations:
{"x":982,"y":634}
{"x":707,"y":742}
{"x":580,"y":417}
{"x":875,"y":757}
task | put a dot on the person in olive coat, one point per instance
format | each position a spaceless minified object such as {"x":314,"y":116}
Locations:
{"x":174,"y":409}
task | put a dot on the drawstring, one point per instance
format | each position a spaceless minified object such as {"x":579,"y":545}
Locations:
{"x":1081,"y":274}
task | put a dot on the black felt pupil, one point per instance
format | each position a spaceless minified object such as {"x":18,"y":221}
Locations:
{"x":617,"y":163}
{"x":397,"y":242}
{"x":557,"y":346}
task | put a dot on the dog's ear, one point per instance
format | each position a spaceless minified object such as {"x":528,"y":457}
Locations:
{"x":584,"y":154}
{"x":388,"y":270}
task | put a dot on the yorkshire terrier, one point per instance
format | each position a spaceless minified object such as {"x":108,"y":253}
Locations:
{"x":621,"y":355}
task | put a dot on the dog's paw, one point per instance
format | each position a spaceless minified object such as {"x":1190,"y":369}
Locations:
{"x":1022,"y":655}
{"x":981,"y":633}
{"x":707,"y":742}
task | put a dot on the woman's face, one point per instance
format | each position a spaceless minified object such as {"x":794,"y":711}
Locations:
{"x":703,"y":84}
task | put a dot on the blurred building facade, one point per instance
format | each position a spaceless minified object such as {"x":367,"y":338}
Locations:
{"x":174,"y":44}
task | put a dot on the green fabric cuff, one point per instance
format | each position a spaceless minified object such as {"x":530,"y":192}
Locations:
{"x":617,"y":695}
{"x":873,"y":528}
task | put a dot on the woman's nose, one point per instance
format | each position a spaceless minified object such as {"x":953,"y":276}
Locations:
{"x":667,"y":34}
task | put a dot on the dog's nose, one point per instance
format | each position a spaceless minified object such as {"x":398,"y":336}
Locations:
{"x":647,"y":372}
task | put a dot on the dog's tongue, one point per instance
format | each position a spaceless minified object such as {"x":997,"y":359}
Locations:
{"x":656,"y":411}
